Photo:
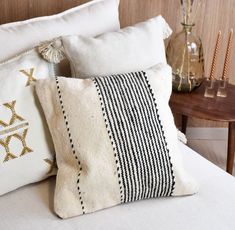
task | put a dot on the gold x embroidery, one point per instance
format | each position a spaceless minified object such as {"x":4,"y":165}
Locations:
{"x":20,"y":135}
{"x":14,"y":116}
{"x":13,"y":129}
{"x":5,"y":144}
{"x":22,"y":138}
{"x":30,"y":76}
{"x":52,"y":164}
{"x":3,"y":124}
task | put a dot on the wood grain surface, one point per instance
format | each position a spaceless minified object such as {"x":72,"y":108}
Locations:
{"x":196,"y":105}
{"x":214,"y":15}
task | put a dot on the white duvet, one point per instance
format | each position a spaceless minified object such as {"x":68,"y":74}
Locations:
{"x":213,"y":208}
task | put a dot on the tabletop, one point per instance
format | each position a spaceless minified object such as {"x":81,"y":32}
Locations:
{"x":196,"y":105}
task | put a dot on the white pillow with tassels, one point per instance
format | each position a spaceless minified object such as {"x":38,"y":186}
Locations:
{"x":130,"y":49}
{"x":89,"y":18}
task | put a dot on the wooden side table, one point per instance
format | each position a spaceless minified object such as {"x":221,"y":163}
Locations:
{"x":194,"y":104}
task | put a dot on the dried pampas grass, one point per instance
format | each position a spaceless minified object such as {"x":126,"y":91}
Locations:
{"x":190,"y":10}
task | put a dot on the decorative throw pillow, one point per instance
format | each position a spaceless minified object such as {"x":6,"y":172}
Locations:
{"x":115,"y":140}
{"x":130,"y":49}
{"x":88,"y":19}
{"x":26,"y":149}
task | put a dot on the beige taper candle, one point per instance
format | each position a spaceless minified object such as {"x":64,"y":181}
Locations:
{"x":228,"y":56}
{"x":215,"y":57}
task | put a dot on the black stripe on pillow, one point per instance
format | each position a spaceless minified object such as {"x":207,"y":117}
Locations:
{"x":133,"y":124}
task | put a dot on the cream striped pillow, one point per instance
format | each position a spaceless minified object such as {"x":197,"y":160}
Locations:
{"x":115,"y":140}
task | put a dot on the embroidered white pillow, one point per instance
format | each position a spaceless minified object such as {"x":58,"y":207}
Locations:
{"x":88,"y":19}
{"x":26,"y":148}
{"x":115,"y":140}
{"x":130,"y":49}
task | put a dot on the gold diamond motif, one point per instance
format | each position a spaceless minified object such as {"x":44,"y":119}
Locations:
{"x":30,"y":75}
{"x":16,"y":131}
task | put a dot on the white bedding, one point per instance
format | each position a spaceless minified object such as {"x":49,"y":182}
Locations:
{"x":213,"y":208}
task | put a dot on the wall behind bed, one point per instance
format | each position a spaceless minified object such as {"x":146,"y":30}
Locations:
{"x":215,"y":15}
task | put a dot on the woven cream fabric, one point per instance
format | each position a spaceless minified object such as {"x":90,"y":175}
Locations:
{"x":89,"y":168}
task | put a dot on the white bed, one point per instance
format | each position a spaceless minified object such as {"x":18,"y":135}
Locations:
{"x":31,"y":207}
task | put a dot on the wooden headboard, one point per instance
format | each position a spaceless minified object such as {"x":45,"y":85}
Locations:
{"x":215,"y":15}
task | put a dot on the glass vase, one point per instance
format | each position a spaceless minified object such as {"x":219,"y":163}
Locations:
{"x":185,"y":56}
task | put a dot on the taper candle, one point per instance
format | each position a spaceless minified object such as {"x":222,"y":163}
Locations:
{"x":214,"y":61}
{"x":228,"y":56}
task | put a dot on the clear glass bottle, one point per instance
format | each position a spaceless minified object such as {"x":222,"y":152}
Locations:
{"x":185,"y":56}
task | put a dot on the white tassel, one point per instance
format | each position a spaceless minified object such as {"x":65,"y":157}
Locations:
{"x":181,"y":137}
{"x":52,"y":51}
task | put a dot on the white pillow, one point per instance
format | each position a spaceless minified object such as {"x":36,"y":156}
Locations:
{"x":130,"y":49}
{"x":115,"y":140}
{"x":26,"y":148}
{"x":88,"y":19}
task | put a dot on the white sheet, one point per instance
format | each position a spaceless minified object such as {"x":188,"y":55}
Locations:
{"x":213,"y":208}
